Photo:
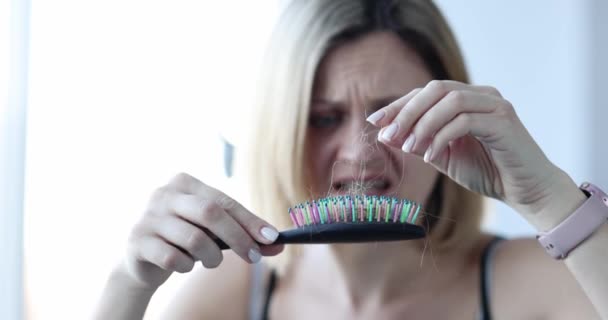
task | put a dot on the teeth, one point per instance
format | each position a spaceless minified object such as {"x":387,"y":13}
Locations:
{"x":355,"y":185}
{"x":381,"y":184}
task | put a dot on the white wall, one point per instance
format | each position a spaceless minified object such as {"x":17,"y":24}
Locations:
{"x":123,"y":95}
{"x":542,"y":56}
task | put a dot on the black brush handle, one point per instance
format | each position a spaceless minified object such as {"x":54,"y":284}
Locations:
{"x":345,"y":232}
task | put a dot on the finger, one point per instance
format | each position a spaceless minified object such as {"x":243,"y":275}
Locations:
{"x":271,"y":249}
{"x":489,"y":90}
{"x":221,"y":224}
{"x":191,"y":204}
{"x":444,"y":111}
{"x":451,"y":85}
{"x":475,"y":124}
{"x":259,"y":229}
{"x":395,"y":133}
{"x":160,"y":253}
{"x":186,"y":183}
{"x":385,"y":115}
{"x":208,"y":214}
{"x":190,"y":239}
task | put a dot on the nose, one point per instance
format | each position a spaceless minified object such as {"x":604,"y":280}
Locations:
{"x":359,"y":142}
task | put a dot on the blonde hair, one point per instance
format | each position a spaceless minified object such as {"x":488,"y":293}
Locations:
{"x":305,"y":32}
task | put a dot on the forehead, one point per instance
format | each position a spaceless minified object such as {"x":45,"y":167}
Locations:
{"x":376,"y":61}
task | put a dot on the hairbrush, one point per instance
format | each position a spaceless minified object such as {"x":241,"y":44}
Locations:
{"x":351,"y":219}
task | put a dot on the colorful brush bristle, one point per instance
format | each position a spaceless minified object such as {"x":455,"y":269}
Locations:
{"x":354,"y":209}
{"x":351,"y":219}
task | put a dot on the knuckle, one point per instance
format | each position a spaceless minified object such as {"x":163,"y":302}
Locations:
{"x":456,"y":97}
{"x":171,"y":260}
{"x":506,"y":109}
{"x":399,"y":105}
{"x":465,"y":118}
{"x":138,"y":230}
{"x":210,"y":212}
{"x":196,"y":241}
{"x":436,"y":85}
{"x":225,"y":202}
{"x":491,"y":90}
{"x":148,"y":214}
{"x":508,"y":106}
{"x":180,"y":179}
{"x":160,"y":195}
{"x":133,"y":248}
{"x":392,"y":107}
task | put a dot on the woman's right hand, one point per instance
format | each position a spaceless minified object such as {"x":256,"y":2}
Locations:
{"x":178,"y":228}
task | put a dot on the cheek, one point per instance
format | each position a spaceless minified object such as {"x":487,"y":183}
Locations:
{"x":318,"y":158}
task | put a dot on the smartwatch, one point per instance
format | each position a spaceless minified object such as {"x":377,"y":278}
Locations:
{"x":580,"y":225}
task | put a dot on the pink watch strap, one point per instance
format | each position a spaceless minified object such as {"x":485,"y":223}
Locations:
{"x":579,"y":225}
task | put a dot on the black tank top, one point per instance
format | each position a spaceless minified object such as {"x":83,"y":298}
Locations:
{"x":484,"y":275}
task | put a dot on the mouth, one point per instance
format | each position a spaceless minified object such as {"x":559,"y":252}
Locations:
{"x":370,"y":186}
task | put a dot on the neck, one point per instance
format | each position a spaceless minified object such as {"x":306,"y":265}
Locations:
{"x":379,"y":272}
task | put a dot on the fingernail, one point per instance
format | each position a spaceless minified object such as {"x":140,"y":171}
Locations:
{"x":254,"y":256}
{"x":376,"y":116}
{"x":389,"y":132}
{"x":269,"y":233}
{"x":409,"y":143}
{"x":427,"y":154}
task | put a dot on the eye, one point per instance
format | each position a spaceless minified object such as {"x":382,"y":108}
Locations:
{"x":325,"y":120}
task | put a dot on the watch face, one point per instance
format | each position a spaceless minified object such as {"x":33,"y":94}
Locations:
{"x":592,"y":190}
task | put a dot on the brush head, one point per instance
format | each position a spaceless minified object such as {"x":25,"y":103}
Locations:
{"x":351,"y":219}
{"x":354,"y":209}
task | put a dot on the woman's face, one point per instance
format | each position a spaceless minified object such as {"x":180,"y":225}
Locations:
{"x":343,"y":152}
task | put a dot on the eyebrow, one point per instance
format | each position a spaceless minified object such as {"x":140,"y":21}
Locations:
{"x":372,"y":105}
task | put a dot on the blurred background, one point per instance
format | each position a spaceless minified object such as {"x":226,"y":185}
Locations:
{"x":104,"y":101}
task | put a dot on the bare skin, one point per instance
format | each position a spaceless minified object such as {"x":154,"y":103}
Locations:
{"x":387,"y":281}
{"x":519,"y":291}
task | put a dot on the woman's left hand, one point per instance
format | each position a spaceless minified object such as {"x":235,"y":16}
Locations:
{"x":473,"y":135}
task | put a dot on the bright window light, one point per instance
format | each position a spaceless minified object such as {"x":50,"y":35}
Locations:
{"x":13,"y":72}
{"x":123,"y":95}
{"x":4,"y":49}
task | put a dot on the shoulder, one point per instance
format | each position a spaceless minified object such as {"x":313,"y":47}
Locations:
{"x":207,"y":291}
{"x":528,"y":283}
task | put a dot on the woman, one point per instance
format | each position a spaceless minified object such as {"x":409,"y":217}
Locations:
{"x":429,"y":136}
